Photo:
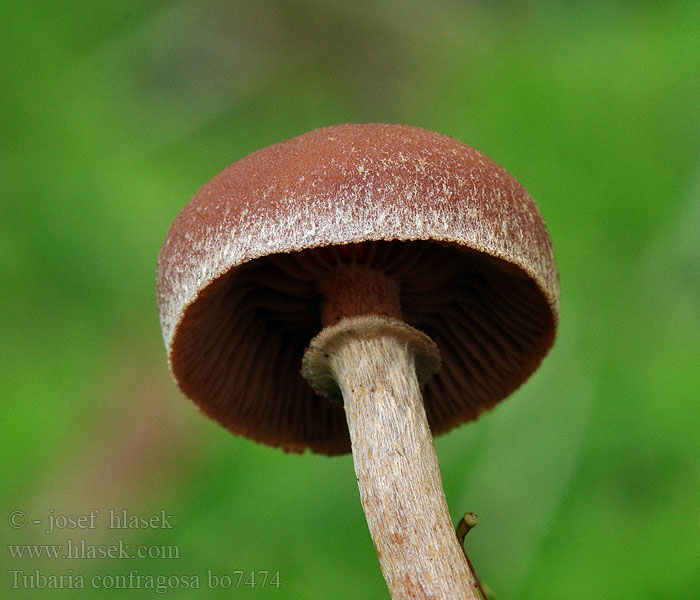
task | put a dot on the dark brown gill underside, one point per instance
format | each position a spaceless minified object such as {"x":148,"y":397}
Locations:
{"x":238,"y":349}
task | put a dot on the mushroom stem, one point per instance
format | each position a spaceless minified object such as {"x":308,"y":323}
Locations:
{"x":350,"y":291}
{"x":398,"y":473}
{"x":375,"y":363}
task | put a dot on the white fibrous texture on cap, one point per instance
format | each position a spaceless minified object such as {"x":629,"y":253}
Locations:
{"x":288,"y":197}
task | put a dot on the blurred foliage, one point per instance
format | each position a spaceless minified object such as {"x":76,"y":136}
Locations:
{"x":587,"y":481}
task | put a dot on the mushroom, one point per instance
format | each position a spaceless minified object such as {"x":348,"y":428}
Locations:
{"x":309,"y":291}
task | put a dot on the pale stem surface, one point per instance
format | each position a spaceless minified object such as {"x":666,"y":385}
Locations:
{"x":398,"y":473}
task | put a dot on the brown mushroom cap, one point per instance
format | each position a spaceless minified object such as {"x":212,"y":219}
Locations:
{"x":239,"y":269}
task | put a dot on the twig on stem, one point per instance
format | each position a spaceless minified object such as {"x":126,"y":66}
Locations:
{"x":466,"y":523}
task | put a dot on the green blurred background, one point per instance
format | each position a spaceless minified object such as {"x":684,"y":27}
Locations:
{"x":587,"y":480}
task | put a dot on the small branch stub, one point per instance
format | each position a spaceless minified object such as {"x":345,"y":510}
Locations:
{"x":465,"y":525}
